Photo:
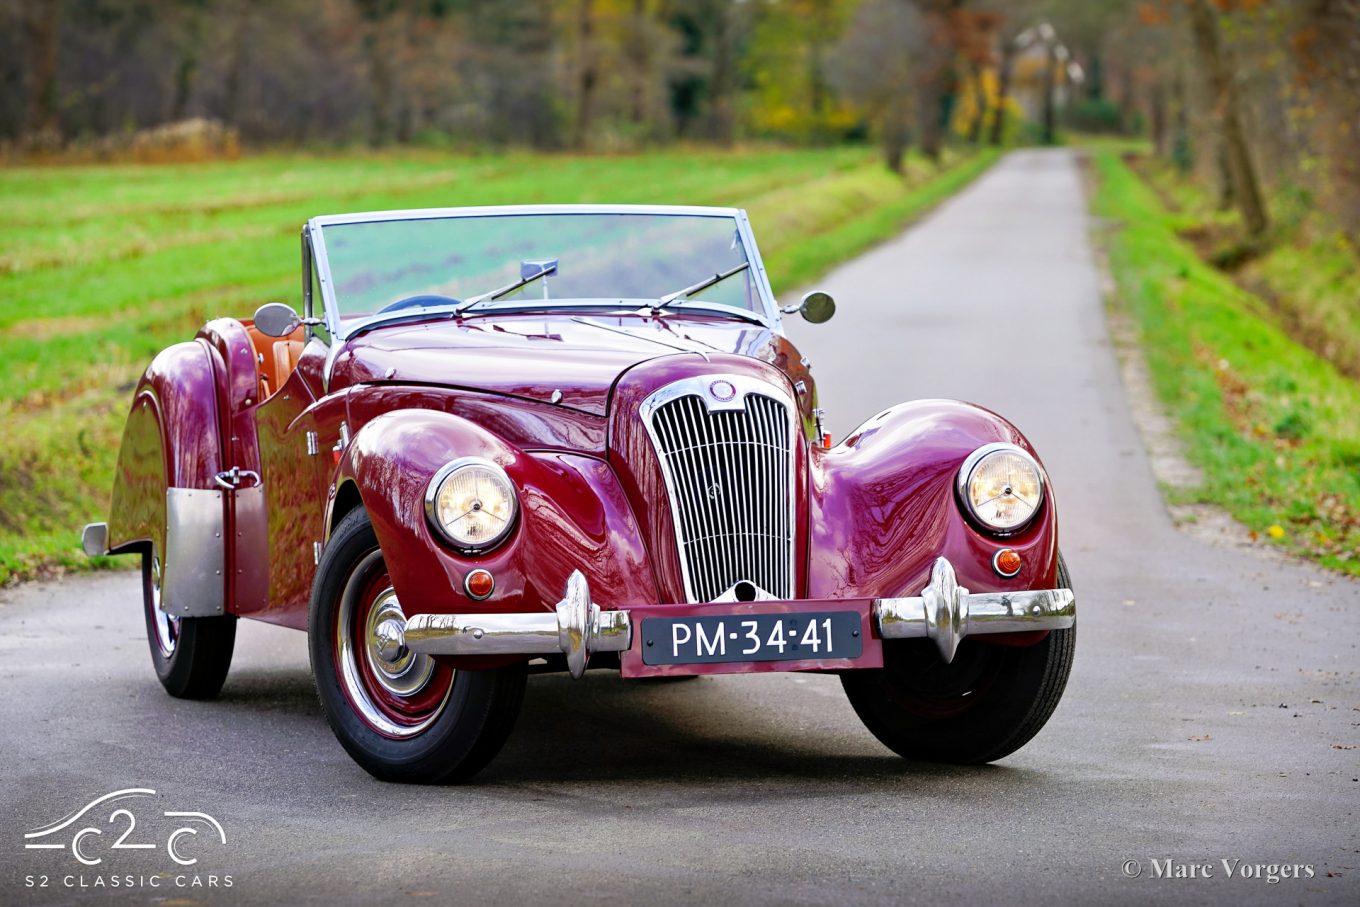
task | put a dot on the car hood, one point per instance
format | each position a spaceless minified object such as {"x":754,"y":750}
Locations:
{"x":572,"y":360}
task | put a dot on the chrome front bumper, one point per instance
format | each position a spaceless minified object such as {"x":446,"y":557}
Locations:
{"x":944,"y":612}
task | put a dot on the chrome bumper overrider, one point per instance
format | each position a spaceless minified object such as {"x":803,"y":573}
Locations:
{"x":944,"y":612}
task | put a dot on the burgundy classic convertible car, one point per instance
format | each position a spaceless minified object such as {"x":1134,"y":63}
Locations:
{"x":500,"y":440}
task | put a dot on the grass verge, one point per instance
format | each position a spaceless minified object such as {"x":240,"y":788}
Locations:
{"x":1274,"y":426}
{"x":101,"y":267}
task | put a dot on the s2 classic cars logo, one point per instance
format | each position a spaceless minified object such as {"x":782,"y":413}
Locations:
{"x":90,"y":836}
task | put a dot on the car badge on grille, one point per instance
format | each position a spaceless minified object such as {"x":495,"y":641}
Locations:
{"x":715,"y":491}
{"x":722,"y":390}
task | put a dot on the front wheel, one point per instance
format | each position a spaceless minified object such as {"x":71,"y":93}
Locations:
{"x":400,"y":715}
{"x":191,"y":654}
{"x":984,"y":705}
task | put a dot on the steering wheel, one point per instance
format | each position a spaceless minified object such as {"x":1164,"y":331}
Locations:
{"x":411,"y":302}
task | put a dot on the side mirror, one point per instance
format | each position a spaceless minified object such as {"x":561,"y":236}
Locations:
{"x":816,"y":307}
{"x":276,"y":319}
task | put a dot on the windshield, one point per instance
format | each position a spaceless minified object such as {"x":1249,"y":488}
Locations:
{"x":601,"y":258}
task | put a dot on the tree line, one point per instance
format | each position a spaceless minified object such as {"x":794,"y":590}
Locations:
{"x":1248,"y":95}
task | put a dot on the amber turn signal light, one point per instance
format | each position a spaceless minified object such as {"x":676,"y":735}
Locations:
{"x":479,"y":584}
{"x":1006,"y":562}
{"x":826,"y":441}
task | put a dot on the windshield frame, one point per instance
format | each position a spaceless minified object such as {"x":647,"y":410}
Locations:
{"x":768,"y":316}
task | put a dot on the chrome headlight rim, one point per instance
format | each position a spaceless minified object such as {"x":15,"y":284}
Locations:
{"x":966,"y":474}
{"x":432,"y":499}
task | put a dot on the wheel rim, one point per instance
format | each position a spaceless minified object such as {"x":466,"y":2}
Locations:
{"x":166,"y":628}
{"x":396,"y":692}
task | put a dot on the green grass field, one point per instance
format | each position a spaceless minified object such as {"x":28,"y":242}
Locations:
{"x":101,"y":267}
{"x":1274,"y":426}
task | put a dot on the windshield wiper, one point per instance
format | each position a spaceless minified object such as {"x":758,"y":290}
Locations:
{"x":545,"y":267}
{"x":678,"y":295}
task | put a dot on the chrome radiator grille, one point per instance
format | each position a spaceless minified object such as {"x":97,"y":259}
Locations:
{"x":726,"y":450}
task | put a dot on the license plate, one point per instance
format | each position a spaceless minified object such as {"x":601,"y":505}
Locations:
{"x":805,"y":636}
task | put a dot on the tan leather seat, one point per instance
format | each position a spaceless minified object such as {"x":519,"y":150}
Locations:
{"x":276,"y":357}
{"x":286,"y":355}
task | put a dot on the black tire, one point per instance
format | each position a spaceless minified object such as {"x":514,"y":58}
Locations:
{"x":191,"y":654}
{"x":460,"y":733}
{"x":986,"y":704}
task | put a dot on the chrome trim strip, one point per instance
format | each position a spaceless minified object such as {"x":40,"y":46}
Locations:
{"x":947,"y":612}
{"x":748,"y":239}
{"x":689,"y":444}
{"x":330,"y":220}
{"x":195,"y":552}
{"x":94,"y":539}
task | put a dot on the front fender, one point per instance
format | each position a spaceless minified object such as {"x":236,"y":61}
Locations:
{"x":884,"y":507}
{"x":572,"y":515}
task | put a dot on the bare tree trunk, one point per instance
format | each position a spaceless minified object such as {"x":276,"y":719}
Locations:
{"x":380,"y":84}
{"x":639,"y":56}
{"x":1226,"y":191}
{"x":1246,"y":189}
{"x":188,"y":64}
{"x":1049,"y":116}
{"x":1157,"y":105}
{"x":378,"y":54}
{"x":1128,"y":109}
{"x":980,"y":98}
{"x":896,"y":133}
{"x":722,"y":84}
{"x":1182,"y":150}
{"x":1329,"y":63}
{"x":931,"y":81}
{"x":586,"y":75}
{"x":42,"y":29}
{"x":818,"y":91}
{"x":236,"y":65}
{"x":1003,"y":90}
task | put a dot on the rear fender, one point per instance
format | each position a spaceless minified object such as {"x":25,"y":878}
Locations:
{"x":170,"y":440}
{"x":884,"y":507}
{"x":165,"y":494}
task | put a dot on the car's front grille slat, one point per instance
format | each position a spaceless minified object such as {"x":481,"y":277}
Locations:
{"x":728,"y":469}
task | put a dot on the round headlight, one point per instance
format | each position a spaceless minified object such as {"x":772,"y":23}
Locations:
{"x":471,"y":503}
{"x":1001,"y":486}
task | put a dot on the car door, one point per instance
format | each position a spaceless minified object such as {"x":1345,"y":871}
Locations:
{"x":299,"y":430}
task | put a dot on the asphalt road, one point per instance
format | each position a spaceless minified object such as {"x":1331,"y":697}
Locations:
{"x":1207,"y":719}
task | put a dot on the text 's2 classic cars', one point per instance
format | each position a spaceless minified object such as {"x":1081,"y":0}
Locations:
{"x":500,"y":440}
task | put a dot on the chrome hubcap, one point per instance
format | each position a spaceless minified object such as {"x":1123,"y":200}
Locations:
{"x":380,"y":656}
{"x":399,"y":670}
